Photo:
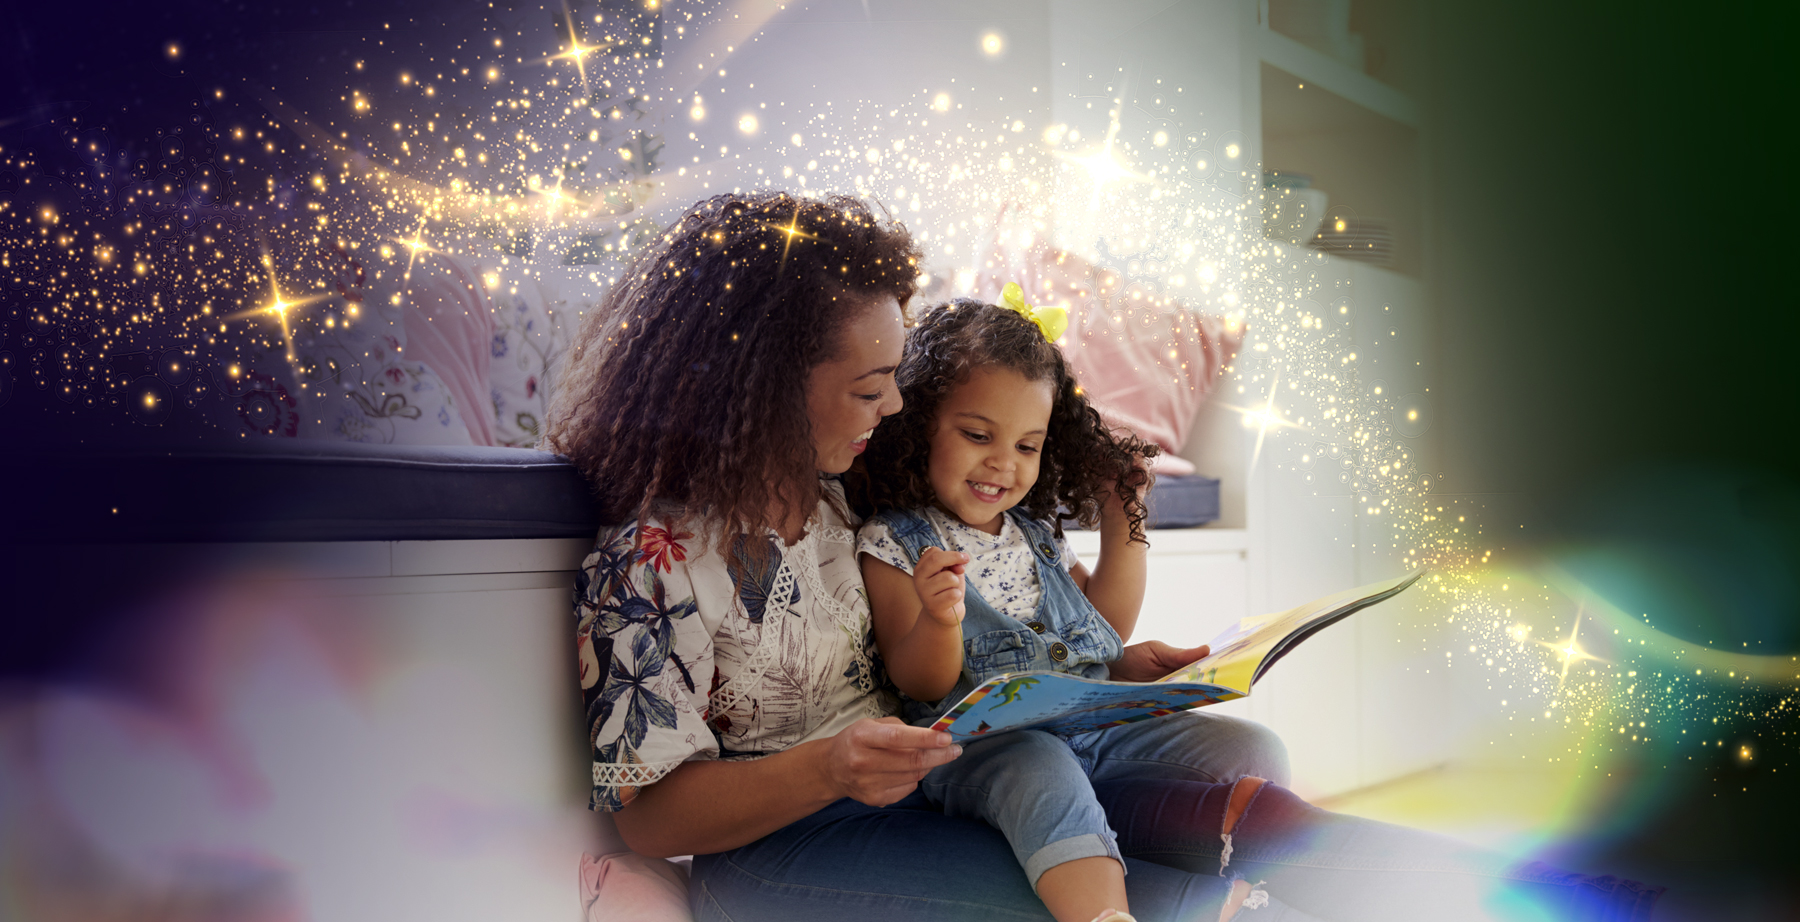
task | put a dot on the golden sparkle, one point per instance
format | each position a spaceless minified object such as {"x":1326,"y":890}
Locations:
{"x":279,"y":305}
{"x":1569,"y":649}
{"x":1263,"y":419}
{"x":1103,"y":166}
{"x":413,"y":246}
{"x":577,"y":52}
{"x":554,"y":200}
{"x":790,"y":231}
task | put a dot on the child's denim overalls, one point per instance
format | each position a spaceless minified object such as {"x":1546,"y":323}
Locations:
{"x":1029,"y":784}
{"x":1067,"y":635}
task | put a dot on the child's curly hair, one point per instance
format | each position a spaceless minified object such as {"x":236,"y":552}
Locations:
{"x":1083,"y":459}
{"x":687,"y":385}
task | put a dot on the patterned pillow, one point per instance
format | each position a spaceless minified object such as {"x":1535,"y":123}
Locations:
{"x":437,"y":349}
{"x":353,"y":381}
{"x":532,"y":324}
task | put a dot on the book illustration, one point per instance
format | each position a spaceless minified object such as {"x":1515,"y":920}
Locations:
{"x":1012,"y":688}
{"x":1066,"y":704}
{"x":969,"y":701}
{"x":1148,"y":704}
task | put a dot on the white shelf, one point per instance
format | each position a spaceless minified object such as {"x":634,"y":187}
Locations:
{"x":1172,"y":541}
{"x":1339,"y":263}
{"x":1326,"y":72}
{"x":1354,"y":136}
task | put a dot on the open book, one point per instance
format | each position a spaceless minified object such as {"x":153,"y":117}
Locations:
{"x":1070,"y":704}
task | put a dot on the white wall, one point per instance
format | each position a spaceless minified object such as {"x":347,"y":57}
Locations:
{"x":1367,"y":700}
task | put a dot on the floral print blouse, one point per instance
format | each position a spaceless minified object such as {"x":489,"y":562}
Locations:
{"x":690,"y":652}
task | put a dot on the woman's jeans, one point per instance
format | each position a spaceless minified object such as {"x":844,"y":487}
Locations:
{"x":908,"y":861}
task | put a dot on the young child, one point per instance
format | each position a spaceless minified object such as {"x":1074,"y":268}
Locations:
{"x":966,"y":481}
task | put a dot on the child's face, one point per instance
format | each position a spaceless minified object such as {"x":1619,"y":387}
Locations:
{"x":986,"y":442}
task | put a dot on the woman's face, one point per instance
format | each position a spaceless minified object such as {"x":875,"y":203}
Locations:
{"x":847,"y":396}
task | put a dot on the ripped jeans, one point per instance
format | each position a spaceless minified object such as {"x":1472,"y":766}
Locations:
{"x":911,"y":862}
{"x":1038,"y":788}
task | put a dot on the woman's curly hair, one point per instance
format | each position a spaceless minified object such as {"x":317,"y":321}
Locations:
{"x":1083,"y":459}
{"x":687,"y":385}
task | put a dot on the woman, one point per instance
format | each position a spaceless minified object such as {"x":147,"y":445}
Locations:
{"x":735,"y":704}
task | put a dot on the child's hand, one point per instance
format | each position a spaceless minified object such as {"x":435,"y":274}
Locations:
{"x":1152,"y":660}
{"x":938,"y":578}
{"x":1141,"y":479}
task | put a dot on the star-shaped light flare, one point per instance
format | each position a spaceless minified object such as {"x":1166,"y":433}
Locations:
{"x":415,"y":246}
{"x":577,"y":51}
{"x":1263,"y":418}
{"x":556,"y":198}
{"x":792,"y":230}
{"x":1569,"y":649}
{"x":278,"y":305}
{"x":1102,"y":165}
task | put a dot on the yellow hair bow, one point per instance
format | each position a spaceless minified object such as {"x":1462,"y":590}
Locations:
{"x":1051,"y":320}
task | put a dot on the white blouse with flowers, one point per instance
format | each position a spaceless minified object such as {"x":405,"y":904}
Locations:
{"x":692,"y":652}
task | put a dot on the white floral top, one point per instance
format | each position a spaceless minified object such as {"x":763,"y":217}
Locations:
{"x":689,"y":653}
{"x":1000,"y":568}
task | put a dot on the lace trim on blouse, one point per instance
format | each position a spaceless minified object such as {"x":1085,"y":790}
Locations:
{"x":801,"y":557}
{"x":631,"y":774}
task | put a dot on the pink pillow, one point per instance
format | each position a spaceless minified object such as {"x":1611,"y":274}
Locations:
{"x":449,"y":326}
{"x":1150,"y":377}
{"x":494,"y":335}
{"x":627,"y":887}
{"x":1146,"y":363}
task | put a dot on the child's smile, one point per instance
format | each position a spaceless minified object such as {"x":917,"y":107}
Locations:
{"x":986,"y":444}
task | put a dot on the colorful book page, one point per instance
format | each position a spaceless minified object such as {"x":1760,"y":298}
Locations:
{"x":1070,"y":704}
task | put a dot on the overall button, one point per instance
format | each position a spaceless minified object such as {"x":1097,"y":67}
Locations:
{"x":1047,"y":550}
{"x":1037,"y":626}
{"x":1059,"y":652}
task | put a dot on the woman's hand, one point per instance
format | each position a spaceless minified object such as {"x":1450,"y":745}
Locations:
{"x":938,"y":579}
{"x":877,"y":762}
{"x":1153,"y":659}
